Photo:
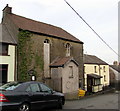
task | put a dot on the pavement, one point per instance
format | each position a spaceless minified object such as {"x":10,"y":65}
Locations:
{"x":112,"y":90}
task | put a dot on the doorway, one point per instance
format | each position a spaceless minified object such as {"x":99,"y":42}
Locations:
{"x":89,"y":84}
{"x":3,"y":73}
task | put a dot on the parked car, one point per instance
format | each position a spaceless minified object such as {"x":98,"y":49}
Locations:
{"x":27,"y":96}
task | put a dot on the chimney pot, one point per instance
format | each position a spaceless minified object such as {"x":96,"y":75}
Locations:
{"x":116,"y":63}
{"x":7,"y":9}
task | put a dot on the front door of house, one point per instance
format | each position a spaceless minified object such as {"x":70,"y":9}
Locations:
{"x":89,"y":84}
{"x":3,"y":73}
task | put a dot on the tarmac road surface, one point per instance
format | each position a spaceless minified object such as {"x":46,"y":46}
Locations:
{"x":104,"y":101}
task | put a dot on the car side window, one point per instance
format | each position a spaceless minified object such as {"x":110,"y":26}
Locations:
{"x":28,"y":89}
{"x":33,"y":88}
{"x":44,"y":88}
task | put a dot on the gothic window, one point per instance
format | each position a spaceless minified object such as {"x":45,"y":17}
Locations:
{"x":46,"y":41}
{"x":68,"y":49}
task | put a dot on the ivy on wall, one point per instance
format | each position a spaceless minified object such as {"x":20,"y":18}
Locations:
{"x":39,"y":62}
{"x":23,"y":57}
{"x":26,"y":57}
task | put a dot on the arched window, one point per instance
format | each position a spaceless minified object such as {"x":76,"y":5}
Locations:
{"x":46,"y":58}
{"x":68,"y":46}
{"x":46,"y":41}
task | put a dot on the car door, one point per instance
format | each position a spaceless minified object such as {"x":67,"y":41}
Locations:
{"x":36,"y":96}
{"x":49,"y":98}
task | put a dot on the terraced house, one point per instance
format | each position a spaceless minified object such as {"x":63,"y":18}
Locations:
{"x":96,"y":73}
{"x":50,"y":53}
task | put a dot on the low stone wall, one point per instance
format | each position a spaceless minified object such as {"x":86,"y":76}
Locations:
{"x":71,"y":96}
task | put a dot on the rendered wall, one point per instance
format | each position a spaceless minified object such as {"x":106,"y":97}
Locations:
{"x":70,"y":84}
{"x":57,"y":49}
{"x":89,"y":69}
{"x":10,"y":60}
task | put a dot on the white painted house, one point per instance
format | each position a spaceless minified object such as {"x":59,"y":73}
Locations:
{"x":96,"y":73}
{"x":7,"y":55}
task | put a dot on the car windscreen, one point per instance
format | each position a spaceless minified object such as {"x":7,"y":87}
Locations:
{"x":9,"y":86}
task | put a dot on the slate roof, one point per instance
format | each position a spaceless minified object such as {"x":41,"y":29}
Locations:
{"x":5,"y":36}
{"x":116,"y":67}
{"x":42,"y":28}
{"x":91,"y":59}
{"x":60,"y":62}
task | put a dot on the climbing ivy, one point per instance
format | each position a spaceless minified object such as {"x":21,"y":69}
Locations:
{"x":39,"y":62}
{"x":27,"y":59}
{"x":24,"y":55}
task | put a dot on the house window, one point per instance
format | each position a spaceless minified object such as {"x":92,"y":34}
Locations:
{"x":96,"y":81}
{"x":3,"y":49}
{"x":68,"y":49}
{"x":104,"y":69}
{"x":70,"y":71}
{"x":95,"y":68}
{"x":84,"y":69}
{"x":105,"y":78}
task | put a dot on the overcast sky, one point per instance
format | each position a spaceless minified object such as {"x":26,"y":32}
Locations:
{"x":101,"y":15}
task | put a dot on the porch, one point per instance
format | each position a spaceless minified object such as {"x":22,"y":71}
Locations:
{"x":94,"y":83}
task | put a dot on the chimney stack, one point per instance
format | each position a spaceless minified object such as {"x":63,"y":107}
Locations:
{"x":7,"y":9}
{"x":116,"y":63}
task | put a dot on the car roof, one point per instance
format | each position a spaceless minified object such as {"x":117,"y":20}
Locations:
{"x":28,"y":82}
{"x":24,"y":82}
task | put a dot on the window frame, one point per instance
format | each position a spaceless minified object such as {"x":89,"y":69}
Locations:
{"x":45,"y":91}
{"x":96,"y":82}
{"x":105,"y":79}
{"x":71,"y":75}
{"x":47,"y":41}
{"x":4,"y":49}
{"x":68,"y":49}
{"x":104,"y":68}
{"x":31,"y":88}
{"x":95,"y":69}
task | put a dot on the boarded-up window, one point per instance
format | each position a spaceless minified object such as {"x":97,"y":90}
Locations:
{"x":70,"y":71}
{"x":46,"y":58}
